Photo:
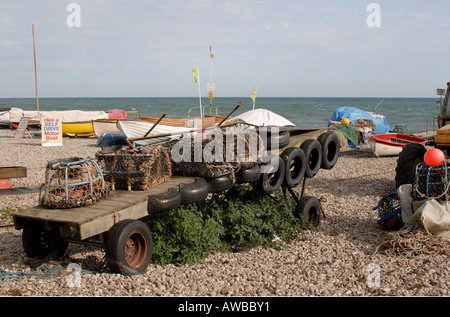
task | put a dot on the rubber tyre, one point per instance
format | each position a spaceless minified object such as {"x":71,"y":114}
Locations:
{"x":329,"y":142}
{"x":220,"y":184}
{"x":40,"y":243}
{"x":284,"y":138}
{"x":411,"y":155}
{"x":251,"y":175}
{"x":164,"y":202}
{"x":295,"y":165}
{"x":129,"y":247}
{"x":272,"y":181}
{"x":310,"y":208}
{"x":313,"y":154}
{"x":194,"y":192}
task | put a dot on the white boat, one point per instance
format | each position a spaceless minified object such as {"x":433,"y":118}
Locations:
{"x":391,"y":144}
{"x":139,"y":128}
{"x":103,"y":126}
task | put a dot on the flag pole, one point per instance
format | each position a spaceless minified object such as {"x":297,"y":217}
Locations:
{"x":199,"y":93}
{"x":35,"y":72}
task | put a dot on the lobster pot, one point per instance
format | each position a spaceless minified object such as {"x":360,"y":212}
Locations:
{"x":138,"y":168}
{"x":72,"y":182}
{"x":430,"y":182}
{"x":216,"y":153}
{"x":389,"y":212}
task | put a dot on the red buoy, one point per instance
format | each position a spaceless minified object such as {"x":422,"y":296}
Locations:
{"x":434,"y":157}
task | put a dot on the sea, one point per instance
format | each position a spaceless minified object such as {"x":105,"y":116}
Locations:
{"x":416,"y":114}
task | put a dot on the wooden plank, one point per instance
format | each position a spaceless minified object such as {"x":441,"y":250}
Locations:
{"x":13,"y":172}
{"x":121,"y":204}
{"x":105,"y":222}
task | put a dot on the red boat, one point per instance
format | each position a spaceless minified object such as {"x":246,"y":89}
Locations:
{"x":391,"y":144}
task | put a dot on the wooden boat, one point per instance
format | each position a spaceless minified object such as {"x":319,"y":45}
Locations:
{"x":391,"y":144}
{"x":103,"y":126}
{"x":183,"y":122}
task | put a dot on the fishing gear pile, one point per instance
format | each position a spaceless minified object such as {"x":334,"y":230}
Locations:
{"x":139,"y":168}
{"x":72,"y":182}
{"x":217,"y":153}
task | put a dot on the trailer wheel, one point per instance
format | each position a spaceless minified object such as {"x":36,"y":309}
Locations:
{"x":129,"y":247}
{"x":271,"y":181}
{"x":295,"y":165}
{"x":164,"y":202}
{"x":194,"y":192}
{"x":220,"y":184}
{"x":39,"y":243}
{"x":313,"y":153}
{"x":411,"y":155}
{"x":310,"y":208}
{"x":330,"y":149}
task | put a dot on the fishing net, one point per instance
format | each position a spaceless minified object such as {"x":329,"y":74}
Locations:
{"x":72,"y":182}
{"x":139,"y":168}
{"x":216,"y":152}
{"x":430,"y":182}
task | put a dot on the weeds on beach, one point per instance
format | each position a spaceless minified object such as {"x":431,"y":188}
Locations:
{"x":6,"y":213}
{"x":244,"y":219}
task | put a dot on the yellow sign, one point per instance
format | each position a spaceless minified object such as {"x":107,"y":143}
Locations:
{"x":210,"y":95}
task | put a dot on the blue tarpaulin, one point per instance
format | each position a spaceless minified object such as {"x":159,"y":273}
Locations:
{"x":353,"y":114}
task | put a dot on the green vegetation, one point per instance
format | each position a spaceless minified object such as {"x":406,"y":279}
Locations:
{"x":241,"y":218}
{"x":6,"y":213}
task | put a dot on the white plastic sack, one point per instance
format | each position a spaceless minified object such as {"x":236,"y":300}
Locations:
{"x":434,"y":216}
{"x":404,"y":195}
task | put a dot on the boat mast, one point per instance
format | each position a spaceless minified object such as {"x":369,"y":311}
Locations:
{"x":35,"y":72}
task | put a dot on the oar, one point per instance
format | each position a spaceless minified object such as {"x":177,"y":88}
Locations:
{"x":159,"y":120}
{"x":235,"y":108}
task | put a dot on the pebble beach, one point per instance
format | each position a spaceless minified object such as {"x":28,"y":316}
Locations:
{"x":341,"y":257}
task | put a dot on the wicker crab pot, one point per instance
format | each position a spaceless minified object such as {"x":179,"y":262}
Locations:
{"x":138,"y":168}
{"x":72,"y":182}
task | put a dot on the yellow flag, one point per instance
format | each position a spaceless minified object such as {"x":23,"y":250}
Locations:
{"x":195,"y":73}
{"x":253,"y":95}
{"x":210,"y":51}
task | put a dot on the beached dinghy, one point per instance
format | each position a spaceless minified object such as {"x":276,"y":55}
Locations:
{"x":391,"y":144}
{"x":104,"y":126}
{"x":139,"y":128}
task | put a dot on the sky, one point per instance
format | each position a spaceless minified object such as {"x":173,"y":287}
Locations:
{"x":148,"y":48}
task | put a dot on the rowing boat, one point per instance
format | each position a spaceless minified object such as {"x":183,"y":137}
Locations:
{"x":391,"y":144}
{"x":139,"y":128}
{"x":103,"y":126}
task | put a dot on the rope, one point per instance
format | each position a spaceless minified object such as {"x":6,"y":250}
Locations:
{"x":414,"y":242}
{"x":46,"y":273}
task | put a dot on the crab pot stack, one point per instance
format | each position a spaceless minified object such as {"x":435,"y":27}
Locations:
{"x":430,"y":182}
{"x":138,"y":168}
{"x":73,"y":182}
{"x":226,"y":155}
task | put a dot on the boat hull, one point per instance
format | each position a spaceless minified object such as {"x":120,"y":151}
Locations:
{"x":78,"y":129}
{"x":391,"y":144}
{"x":101,"y":127}
{"x":139,"y":128}
{"x":183,"y":122}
